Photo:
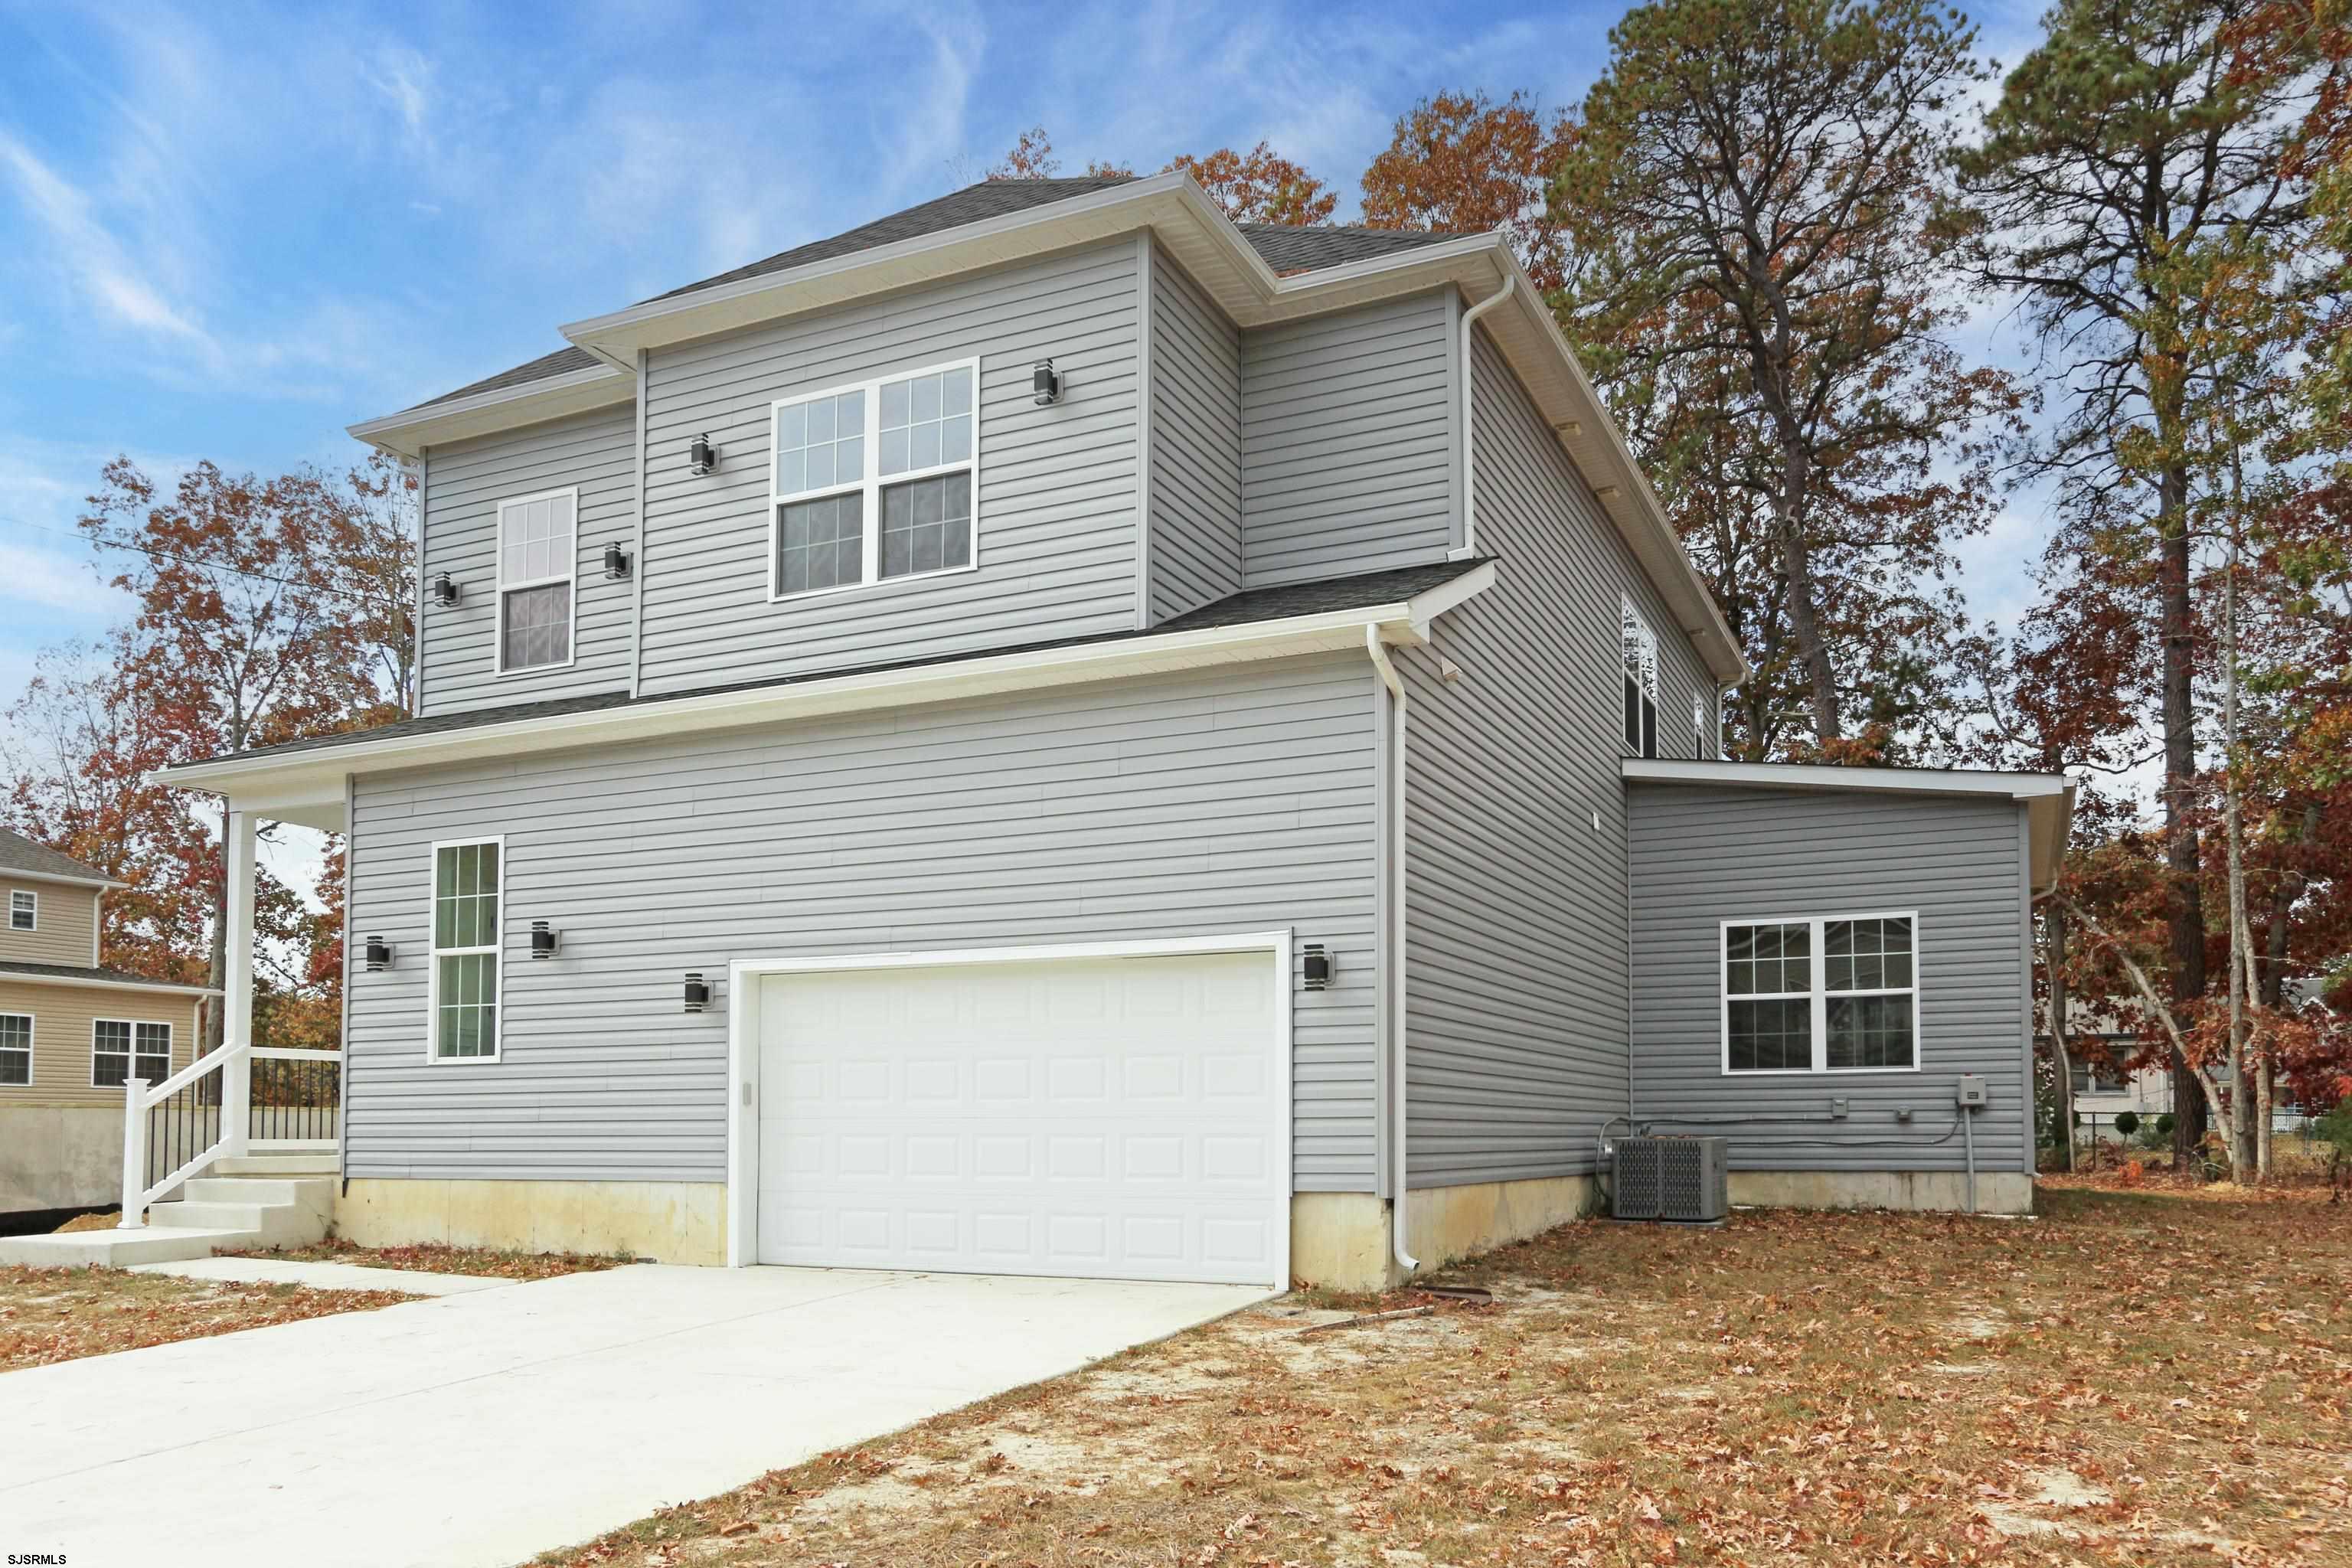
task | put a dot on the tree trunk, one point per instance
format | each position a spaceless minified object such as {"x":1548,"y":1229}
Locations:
{"x":2184,"y":906}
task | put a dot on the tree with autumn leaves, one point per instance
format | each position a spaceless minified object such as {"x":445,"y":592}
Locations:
{"x":264,"y":611}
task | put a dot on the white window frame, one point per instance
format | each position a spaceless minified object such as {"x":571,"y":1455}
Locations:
{"x":130,"y":1068}
{"x":33,"y":1032}
{"x":572,"y":576}
{"x":1819,"y":994}
{"x":1645,"y":653}
{"x":871,"y":483}
{"x":32,"y":905}
{"x":434,"y":953}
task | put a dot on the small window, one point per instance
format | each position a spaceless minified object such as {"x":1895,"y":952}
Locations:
{"x":1698,"y":728}
{"x":1639,"y":656}
{"x":538,"y":561}
{"x":120,"y":1049}
{"x":1820,"y":995}
{"x":23,"y":910}
{"x":468,"y":889}
{"x":876,"y":481}
{"x":16,"y":1050}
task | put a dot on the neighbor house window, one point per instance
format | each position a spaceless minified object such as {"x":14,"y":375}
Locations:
{"x":1698,"y":727}
{"x":1638,"y":654}
{"x":120,"y":1049}
{"x":16,"y":1049}
{"x":1829,"y":994}
{"x":538,"y":559}
{"x":468,"y":888}
{"x":23,"y":910}
{"x":876,"y":481}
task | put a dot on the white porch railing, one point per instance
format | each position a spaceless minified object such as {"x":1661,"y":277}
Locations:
{"x":228,"y":1101}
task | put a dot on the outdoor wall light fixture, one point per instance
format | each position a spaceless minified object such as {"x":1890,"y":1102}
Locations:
{"x":377,"y":955}
{"x":1045,"y":382}
{"x":616,"y":561}
{"x":1315,"y":967}
{"x":544,"y":940}
{"x":701,"y":456}
{"x":445,"y":589}
{"x":697,"y":994}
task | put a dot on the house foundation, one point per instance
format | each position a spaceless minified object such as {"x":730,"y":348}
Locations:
{"x":671,"y":1222}
{"x":1998,"y":1191}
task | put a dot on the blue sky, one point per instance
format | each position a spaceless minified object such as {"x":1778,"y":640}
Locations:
{"x":227,"y":231}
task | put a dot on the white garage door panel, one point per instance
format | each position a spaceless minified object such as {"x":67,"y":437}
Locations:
{"x":1112,"y":1118}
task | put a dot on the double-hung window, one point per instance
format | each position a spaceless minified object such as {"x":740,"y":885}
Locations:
{"x":16,"y":1049}
{"x":876,"y":481}
{"x":469,"y":888}
{"x":1638,"y":654}
{"x":120,"y":1049}
{"x":1828,"y":994}
{"x":538,"y":558}
{"x":23,"y":910}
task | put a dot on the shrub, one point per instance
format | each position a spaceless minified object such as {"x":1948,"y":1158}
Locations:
{"x":2127,"y":1122}
{"x":2164,"y":1124}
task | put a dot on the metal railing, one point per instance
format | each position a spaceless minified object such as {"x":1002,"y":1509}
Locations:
{"x":224,"y":1101}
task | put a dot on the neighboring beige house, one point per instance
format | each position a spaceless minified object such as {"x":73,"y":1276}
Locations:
{"x":71,"y":1032}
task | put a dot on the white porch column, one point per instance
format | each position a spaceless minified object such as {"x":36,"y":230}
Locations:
{"x":236,"y":1017}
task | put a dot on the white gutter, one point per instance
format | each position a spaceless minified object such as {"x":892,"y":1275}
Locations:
{"x":1393,"y":961}
{"x":14,"y":874}
{"x":102,"y":982}
{"x":1469,"y":424}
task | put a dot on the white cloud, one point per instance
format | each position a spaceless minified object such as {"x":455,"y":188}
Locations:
{"x":90,"y":260}
{"x":37,"y":576}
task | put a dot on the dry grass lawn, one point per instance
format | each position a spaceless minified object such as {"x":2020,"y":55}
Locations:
{"x":58,"y":1314}
{"x":2132,"y":1378}
{"x":435,"y":1258}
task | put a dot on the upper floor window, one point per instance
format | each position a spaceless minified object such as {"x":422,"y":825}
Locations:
{"x":23,"y":910}
{"x":1638,"y":650}
{"x":876,"y":481}
{"x":539,"y":556}
{"x":1822,"y":995}
{"x":120,"y":1049}
{"x":469,"y":886}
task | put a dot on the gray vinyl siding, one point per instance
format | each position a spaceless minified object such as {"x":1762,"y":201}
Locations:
{"x":1516,"y":966}
{"x":1232,"y":800}
{"x":1196,"y":446}
{"x":1056,"y":528}
{"x":1705,"y":855}
{"x":1349,"y":441}
{"x":464,"y":484}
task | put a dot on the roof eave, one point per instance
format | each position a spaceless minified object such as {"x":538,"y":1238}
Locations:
{"x":407,"y":433}
{"x":109,"y":982}
{"x":64,"y":878}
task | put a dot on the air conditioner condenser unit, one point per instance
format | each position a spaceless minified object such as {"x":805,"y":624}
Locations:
{"x":1679,"y":1179}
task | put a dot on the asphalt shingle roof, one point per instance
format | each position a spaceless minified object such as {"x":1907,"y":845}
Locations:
{"x":18,"y":853}
{"x":1283,"y":603}
{"x":1286,"y":248}
{"x":85,"y":972}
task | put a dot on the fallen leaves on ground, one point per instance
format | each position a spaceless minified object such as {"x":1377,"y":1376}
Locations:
{"x":433,"y":1258}
{"x":59,"y":1314}
{"x":2128,"y":1379}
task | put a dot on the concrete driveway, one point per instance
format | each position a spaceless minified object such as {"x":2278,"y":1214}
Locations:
{"x":488,"y":1428}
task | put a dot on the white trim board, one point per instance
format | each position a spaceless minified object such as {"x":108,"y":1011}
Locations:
{"x":741,"y":1002}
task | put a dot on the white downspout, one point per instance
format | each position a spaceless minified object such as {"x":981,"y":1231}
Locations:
{"x":1394,"y":980}
{"x":1469,"y":424}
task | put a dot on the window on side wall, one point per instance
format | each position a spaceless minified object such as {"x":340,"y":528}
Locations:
{"x":876,"y":481}
{"x":23,"y":910}
{"x":468,"y":890}
{"x":1638,"y":651}
{"x":122,"y":1048}
{"x":1832,"y":994}
{"x":538,"y":558}
{"x":16,"y":1049}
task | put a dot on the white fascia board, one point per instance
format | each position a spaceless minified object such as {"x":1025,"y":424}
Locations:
{"x":260,"y":784}
{"x":1427,"y":607}
{"x":10,"y":874}
{"x":408,"y":433}
{"x":103,"y":982}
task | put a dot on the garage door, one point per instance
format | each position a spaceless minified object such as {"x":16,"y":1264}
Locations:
{"x":1101,"y":1118}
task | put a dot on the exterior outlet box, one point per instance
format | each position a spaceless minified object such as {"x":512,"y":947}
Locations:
{"x":1839,"y":1109}
{"x":1680,"y":1179}
{"x":1970,"y":1089}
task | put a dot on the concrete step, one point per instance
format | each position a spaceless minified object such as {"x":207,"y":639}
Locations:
{"x":262,"y":1224}
{"x":117,"y":1248}
{"x":322,"y":1164}
{"x":313,"y":1192}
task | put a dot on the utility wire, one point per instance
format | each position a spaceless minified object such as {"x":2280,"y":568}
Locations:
{"x":156,"y":549}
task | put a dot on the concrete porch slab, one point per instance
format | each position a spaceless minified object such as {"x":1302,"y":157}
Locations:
{"x":485,"y":1427}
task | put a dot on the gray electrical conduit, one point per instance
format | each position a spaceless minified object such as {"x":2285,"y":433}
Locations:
{"x":1395,"y":966}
